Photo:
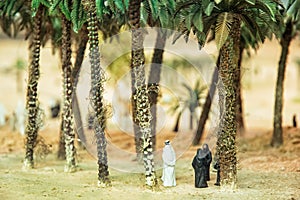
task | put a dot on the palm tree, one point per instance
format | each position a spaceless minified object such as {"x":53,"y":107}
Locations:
{"x":192,"y":102}
{"x":82,"y":40}
{"x":159,"y":14}
{"x":247,"y":42}
{"x":96,"y":94}
{"x":292,"y":24}
{"x":32,"y":105}
{"x":68,"y":127}
{"x":18,"y":13}
{"x":226,"y":17}
{"x":67,"y":124}
{"x":141,"y":104}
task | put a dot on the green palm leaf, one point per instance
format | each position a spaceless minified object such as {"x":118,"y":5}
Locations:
{"x":100,"y":7}
{"x":154,"y":8}
{"x":209,"y":8}
{"x":222,"y":28}
{"x":65,"y":9}
{"x":197,"y":21}
{"x":54,"y":5}
{"x":34,"y":6}
{"x":75,"y":14}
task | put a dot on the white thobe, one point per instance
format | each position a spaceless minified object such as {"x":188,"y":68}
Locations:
{"x":169,"y":159}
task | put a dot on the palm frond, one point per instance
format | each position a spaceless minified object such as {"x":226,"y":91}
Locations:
{"x":64,"y":7}
{"x":198,"y":21}
{"x":209,"y":8}
{"x":54,"y":5}
{"x":222,"y":28}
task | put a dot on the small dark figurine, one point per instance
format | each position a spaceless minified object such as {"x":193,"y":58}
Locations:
{"x":217,"y":167}
{"x":208,"y":159}
{"x":199,"y":168}
{"x":55,"y":109}
{"x":294,"y":121}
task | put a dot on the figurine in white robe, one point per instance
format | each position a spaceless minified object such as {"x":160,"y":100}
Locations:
{"x":169,"y":159}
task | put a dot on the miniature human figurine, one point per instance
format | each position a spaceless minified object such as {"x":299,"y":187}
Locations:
{"x":55,"y":108}
{"x":208,"y":159}
{"x":169,"y":159}
{"x":294,"y":121}
{"x":199,"y":168}
{"x":217,"y":167}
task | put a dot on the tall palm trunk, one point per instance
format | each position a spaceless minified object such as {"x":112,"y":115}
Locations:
{"x":61,"y":153}
{"x":239,"y":103}
{"x":154,"y":79}
{"x":226,"y":146}
{"x":277,"y":139}
{"x":191,"y":120}
{"x":96,"y":95}
{"x":141,"y":98}
{"x":176,"y":127}
{"x":32,"y":104}
{"x":134,"y":17}
{"x":67,"y":94}
{"x":206,"y":106}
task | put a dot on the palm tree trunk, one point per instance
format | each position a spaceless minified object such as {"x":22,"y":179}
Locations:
{"x":191,"y":120}
{"x":32,"y":104}
{"x":83,"y":34}
{"x":154,"y":79}
{"x":67,"y":94}
{"x":135,"y":23}
{"x":96,"y":96}
{"x":277,"y":139}
{"x":239,"y":104}
{"x":141,"y":96}
{"x":206,"y":106}
{"x":227,"y":87}
{"x":176,"y":127}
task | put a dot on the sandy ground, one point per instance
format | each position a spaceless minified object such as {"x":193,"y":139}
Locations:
{"x":264,"y":173}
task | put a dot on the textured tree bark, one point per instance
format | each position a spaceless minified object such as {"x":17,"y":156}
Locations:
{"x":154,"y":79}
{"x":96,"y":96}
{"x":227,"y":87}
{"x":277,"y":139}
{"x":140,"y":91}
{"x":32,"y":105}
{"x":206,"y":106}
{"x":67,"y":94}
{"x":134,"y":18}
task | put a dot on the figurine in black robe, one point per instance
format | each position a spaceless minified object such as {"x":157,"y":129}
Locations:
{"x":199,"y":168}
{"x":217,"y":167}
{"x":208,"y":159}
